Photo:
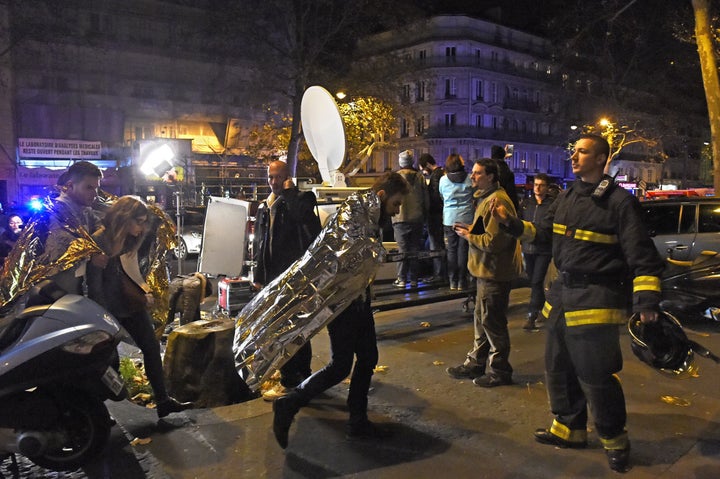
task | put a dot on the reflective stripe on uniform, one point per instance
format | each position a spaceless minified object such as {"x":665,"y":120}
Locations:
{"x":547,"y":307}
{"x":646,"y":283}
{"x":595,"y":316}
{"x":585,"y":235}
{"x":571,"y":435}
{"x":617,"y":442}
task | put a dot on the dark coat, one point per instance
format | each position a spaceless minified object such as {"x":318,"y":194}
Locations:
{"x":294,"y":228}
{"x":533,"y":212}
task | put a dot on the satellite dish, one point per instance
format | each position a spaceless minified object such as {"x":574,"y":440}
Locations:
{"x":324,"y":133}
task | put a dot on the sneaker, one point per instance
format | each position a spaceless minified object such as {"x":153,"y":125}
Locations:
{"x":491,"y":381}
{"x":364,"y":430}
{"x":275,"y":392}
{"x":413,"y":284}
{"x":465,"y":372}
{"x":399,"y":283}
{"x":453,"y":286}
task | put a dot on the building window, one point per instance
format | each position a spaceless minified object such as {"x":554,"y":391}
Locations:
{"x":406,"y":93}
{"x":420,"y":125}
{"x":478,"y":121}
{"x":420,"y":91}
{"x":449,"y":120}
{"x":495,"y":122}
{"x":494,"y":56}
{"x":494,"y":92}
{"x":450,"y":91}
{"x":450,"y":53}
{"x":404,"y":130}
{"x":479,"y":93}
{"x":422,"y":55}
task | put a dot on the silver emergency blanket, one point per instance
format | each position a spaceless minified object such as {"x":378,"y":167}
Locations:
{"x":335,"y":270}
{"x":53,"y":242}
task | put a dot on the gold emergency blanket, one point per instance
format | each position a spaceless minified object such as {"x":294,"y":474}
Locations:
{"x":53,"y":242}
{"x":335,"y":270}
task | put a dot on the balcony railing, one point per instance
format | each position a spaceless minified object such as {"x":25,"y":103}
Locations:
{"x":442,"y":131}
{"x":470,"y":61}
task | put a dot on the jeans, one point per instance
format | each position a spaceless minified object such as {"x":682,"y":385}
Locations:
{"x":297,"y":369}
{"x":352,"y":335}
{"x":142,"y":333}
{"x":409,"y":239}
{"x":436,"y":242}
{"x":457,"y":256}
{"x":536,"y":266}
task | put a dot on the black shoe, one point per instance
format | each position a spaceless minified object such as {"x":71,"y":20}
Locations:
{"x":284,"y":413}
{"x":171,"y":405}
{"x":619,"y":459}
{"x":546,"y":437}
{"x":529,"y":325}
{"x":491,"y":381}
{"x":465,"y":372}
{"x":364,"y":430}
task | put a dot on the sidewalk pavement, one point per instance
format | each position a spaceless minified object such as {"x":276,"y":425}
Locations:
{"x":440,"y":427}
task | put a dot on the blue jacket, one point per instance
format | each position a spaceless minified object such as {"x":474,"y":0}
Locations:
{"x":457,"y":193}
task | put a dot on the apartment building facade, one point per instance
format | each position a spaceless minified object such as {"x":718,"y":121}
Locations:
{"x":467,"y":84}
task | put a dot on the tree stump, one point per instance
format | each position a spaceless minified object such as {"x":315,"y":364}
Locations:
{"x":199,"y":364}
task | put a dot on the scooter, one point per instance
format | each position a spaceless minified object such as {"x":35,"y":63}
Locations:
{"x":58,"y":364}
{"x":691,"y":289}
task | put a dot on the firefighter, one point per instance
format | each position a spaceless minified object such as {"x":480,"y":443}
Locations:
{"x":604,"y":257}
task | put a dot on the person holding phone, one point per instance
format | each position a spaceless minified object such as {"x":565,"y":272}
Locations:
{"x":494,"y":259}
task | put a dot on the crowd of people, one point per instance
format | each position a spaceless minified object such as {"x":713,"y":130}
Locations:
{"x":592,"y":231}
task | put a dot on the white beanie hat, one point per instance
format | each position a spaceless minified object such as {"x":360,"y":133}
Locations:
{"x":406,"y":159}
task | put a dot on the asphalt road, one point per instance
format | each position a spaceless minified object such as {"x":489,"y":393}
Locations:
{"x":440,"y":427}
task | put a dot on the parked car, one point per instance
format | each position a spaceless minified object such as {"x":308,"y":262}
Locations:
{"x":192,"y":222}
{"x":682,"y":228}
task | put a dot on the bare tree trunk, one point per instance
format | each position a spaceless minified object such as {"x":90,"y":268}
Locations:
{"x":295,"y":132}
{"x":710,"y":81}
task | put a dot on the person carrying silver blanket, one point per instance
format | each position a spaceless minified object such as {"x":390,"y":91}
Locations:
{"x":335,"y":270}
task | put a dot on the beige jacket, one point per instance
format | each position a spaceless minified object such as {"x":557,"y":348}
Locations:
{"x":494,"y":254}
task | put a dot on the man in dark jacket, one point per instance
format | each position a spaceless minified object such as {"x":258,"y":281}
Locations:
{"x":435,"y":215}
{"x":285,"y":225}
{"x":537,"y":252}
{"x":603,"y":255}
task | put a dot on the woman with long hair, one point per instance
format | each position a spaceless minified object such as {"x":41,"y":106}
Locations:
{"x":121,"y":289}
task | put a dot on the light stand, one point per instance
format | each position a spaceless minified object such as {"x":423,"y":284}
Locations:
{"x":179,"y":225}
{"x":159,"y":162}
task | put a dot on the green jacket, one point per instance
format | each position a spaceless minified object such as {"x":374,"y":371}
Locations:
{"x":494,"y":253}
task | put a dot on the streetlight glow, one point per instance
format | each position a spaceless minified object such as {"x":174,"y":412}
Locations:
{"x":340,"y":95}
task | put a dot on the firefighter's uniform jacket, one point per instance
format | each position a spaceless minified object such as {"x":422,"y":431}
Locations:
{"x":604,"y":258}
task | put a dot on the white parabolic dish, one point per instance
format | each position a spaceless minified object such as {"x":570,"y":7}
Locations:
{"x":323,"y":130}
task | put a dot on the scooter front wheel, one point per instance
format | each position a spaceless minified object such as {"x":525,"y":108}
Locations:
{"x":82,"y":432}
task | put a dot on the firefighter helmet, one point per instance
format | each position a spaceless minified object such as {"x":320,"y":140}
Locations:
{"x":664,"y":345}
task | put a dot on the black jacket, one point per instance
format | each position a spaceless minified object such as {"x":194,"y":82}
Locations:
{"x":294,"y":228}
{"x":603,"y":255}
{"x":532,"y":211}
